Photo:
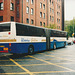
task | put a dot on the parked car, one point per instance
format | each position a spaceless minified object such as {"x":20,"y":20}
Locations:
{"x":69,"y":42}
{"x":74,"y":41}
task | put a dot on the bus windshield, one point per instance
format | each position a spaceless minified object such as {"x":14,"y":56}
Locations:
{"x":4,"y":27}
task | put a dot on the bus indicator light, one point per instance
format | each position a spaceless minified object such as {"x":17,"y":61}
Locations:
{"x":9,"y":33}
{"x":5,"y":49}
{"x":9,"y":49}
{"x":9,"y":44}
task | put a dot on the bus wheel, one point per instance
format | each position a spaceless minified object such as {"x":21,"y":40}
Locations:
{"x":54,"y":46}
{"x":30,"y":49}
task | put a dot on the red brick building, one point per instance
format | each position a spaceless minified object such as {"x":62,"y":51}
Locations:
{"x":33,"y":12}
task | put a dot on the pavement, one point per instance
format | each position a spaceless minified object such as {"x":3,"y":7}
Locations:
{"x":55,"y":62}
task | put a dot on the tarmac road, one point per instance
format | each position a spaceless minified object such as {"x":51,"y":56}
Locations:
{"x":55,"y":62}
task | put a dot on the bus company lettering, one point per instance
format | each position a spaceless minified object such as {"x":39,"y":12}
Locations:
{"x":33,"y":40}
{"x":24,"y":40}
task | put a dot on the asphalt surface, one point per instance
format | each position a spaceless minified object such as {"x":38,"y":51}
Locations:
{"x":55,"y":62}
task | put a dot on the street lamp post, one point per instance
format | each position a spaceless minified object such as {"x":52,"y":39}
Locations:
{"x":73,"y":28}
{"x":73,"y":24}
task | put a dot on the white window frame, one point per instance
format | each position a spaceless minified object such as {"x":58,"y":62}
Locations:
{"x":44,"y":15}
{"x":27,"y":0}
{"x":27,"y":9}
{"x":32,"y":11}
{"x":1,"y":6}
{"x":32,"y":1}
{"x":40,"y":5}
{"x":40,"y":14}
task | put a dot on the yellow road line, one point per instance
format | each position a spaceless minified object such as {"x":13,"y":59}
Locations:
{"x":50,"y":59}
{"x":5,"y":55}
{"x":52,"y":63}
{"x":59,"y":57}
{"x":21,"y":67}
{"x":65,"y":63}
{"x":5,"y":60}
{"x":17,"y":59}
{"x":8,"y":65}
{"x":51,"y":72}
{"x":55,"y":58}
{"x":22,"y":59}
{"x":26,"y":65}
{"x":37,"y":72}
{"x":34,"y":64}
{"x":56,"y":53}
{"x":13,"y":73}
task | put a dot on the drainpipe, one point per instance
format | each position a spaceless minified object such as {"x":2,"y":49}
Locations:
{"x":22,"y":11}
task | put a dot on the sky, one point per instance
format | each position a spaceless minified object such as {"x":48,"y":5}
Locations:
{"x":69,"y":9}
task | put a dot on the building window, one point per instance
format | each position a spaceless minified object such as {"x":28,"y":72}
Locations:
{"x":53,"y":11}
{"x":17,"y":12}
{"x":59,"y":7}
{"x":12,"y":6}
{"x":40,"y":23}
{"x":58,"y":0}
{"x":18,"y":1}
{"x":27,"y":20}
{"x":44,"y":24}
{"x":12,"y":18}
{"x":57,"y":13}
{"x":50,"y":1}
{"x":27,"y":0}
{"x":27,"y":9}
{"x":31,"y":1}
{"x":50,"y":18}
{"x":50,"y":10}
{"x":40,"y":5}
{"x":44,"y":15}
{"x":59,"y":20}
{"x":1,"y":18}
{"x":32,"y":11}
{"x":44,"y":6}
{"x":32,"y":22}
{"x":1,"y":6}
{"x":40,"y":14}
{"x":59,"y":27}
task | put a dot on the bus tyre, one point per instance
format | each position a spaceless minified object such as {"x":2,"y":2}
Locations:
{"x":30,"y":50}
{"x":54,"y":46}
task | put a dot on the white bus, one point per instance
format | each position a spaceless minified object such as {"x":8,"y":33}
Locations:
{"x":20,"y":38}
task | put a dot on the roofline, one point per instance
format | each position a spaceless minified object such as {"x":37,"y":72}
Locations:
{"x":4,"y":22}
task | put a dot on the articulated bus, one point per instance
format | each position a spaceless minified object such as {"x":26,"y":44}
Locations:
{"x":19,"y":38}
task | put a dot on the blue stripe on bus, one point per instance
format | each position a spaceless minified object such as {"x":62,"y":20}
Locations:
{"x":23,"y":47}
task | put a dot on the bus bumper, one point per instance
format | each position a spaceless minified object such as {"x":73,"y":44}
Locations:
{"x":3,"y":51}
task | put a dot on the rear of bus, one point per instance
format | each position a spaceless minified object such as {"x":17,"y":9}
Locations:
{"x":7,"y":34}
